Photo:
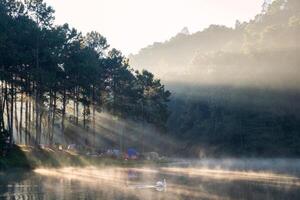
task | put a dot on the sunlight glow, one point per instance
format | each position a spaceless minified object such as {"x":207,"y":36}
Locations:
{"x":119,"y":179}
{"x":131,"y":25}
{"x":228,"y":175}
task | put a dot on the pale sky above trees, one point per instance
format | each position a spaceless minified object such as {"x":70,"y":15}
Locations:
{"x":133,"y":24}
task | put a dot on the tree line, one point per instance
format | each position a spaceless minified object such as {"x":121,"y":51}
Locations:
{"x":54,"y":73}
{"x":236,"y":90}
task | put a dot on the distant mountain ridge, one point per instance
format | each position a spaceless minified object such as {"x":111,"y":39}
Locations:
{"x":252,"y":50}
{"x":176,"y":52}
{"x":185,"y":31}
{"x":235,"y":91}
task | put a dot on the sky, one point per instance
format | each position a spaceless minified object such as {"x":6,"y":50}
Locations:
{"x":130,"y":25}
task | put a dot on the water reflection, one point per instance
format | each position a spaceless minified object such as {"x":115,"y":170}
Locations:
{"x":170,"y":183}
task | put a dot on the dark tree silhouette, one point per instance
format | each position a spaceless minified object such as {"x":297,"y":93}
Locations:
{"x":45,"y":69}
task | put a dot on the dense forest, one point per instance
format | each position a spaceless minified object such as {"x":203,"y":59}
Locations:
{"x":52,"y":75}
{"x":235,"y":90}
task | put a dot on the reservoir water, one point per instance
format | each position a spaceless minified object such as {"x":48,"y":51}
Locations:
{"x":230,"y":179}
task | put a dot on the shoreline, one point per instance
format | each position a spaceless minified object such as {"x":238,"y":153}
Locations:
{"x":30,"y":158}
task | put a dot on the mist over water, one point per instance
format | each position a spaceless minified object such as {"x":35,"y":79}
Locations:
{"x":185,"y":179}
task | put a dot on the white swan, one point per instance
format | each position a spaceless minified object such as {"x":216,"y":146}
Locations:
{"x":161,"y":185}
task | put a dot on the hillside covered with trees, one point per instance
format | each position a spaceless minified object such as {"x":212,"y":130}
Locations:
{"x":53,"y":75}
{"x":242,"y":55}
{"x":236,"y":90}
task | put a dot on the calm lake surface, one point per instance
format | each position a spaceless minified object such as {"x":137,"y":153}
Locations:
{"x":263,"y":179}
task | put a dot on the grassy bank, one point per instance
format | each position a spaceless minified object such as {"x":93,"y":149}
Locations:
{"x":24,"y":157}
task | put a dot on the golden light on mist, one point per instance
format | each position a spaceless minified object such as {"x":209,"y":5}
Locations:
{"x":228,"y":175}
{"x":194,"y":185}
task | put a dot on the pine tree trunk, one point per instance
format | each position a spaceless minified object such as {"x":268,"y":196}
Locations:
{"x":6,"y":106}
{"x":74,"y":107}
{"x":16,"y":114}
{"x":63,"y":113}
{"x":30,"y":117}
{"x":49,"y":117}
{"x":2,"y":109}
{"x":53,"y":118}
{"x":77,"y":106}
{"x":26,"y":120}
{"x":94,"y":118}
{"x":11,"y":115}
{"x":84,"y":115}
{"x":37,"y":114}
{"x":21,"y":118}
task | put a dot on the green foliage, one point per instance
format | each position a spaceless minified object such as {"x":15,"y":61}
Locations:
{"x":228,"y":121}
{"x":47,"y":69}
{"x":16,"y":158}
{"x":31,"y":158}
{"x":236,"y":89}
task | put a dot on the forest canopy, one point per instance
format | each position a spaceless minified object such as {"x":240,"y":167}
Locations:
{"x":260,"y":53}
{"x":235,"y":89}
{"x":51,"y":73}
